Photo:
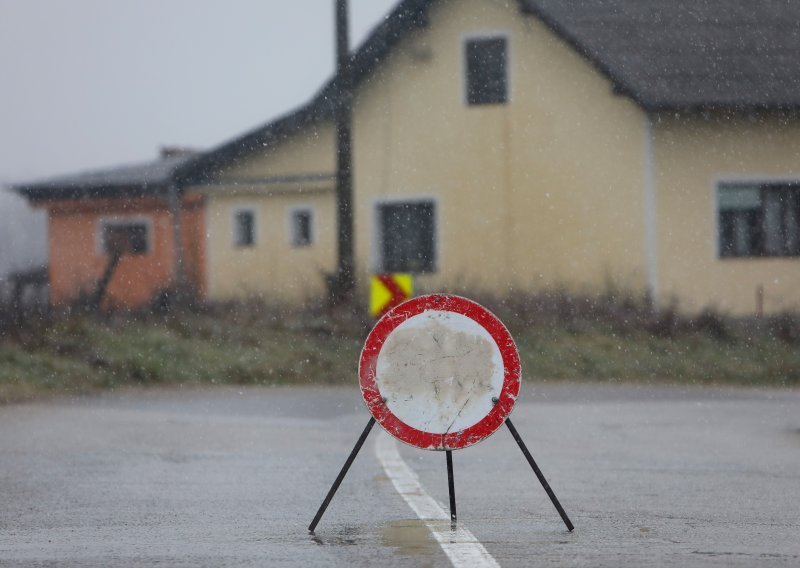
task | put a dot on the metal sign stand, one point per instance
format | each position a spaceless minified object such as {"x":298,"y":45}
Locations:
{"x":451,"y":486}
{"x":444,"y":328}
{"x":341,"y":475}
{"x":450,"y":479}
{"x":540,"y":475}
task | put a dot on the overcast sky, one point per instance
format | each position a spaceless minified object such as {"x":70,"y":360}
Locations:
{"x":96,"y":83}
{"x":88,"y":84}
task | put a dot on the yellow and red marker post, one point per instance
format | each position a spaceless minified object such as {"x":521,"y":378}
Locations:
{"x":388,"y":291}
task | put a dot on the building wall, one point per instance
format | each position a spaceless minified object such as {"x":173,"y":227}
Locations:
{"x":542,"y":191}
{"x":545,"y":190}
{"x":691,"y":155}
{"x":313,"y":151}
{"x":77,"y":261}
{"x":273,"y":268}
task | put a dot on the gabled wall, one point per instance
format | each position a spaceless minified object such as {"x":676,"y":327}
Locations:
{"x":295,"y":172}
{"x":544,"y":190}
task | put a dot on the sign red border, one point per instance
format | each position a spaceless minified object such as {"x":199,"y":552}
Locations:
{"x":427,"y":440}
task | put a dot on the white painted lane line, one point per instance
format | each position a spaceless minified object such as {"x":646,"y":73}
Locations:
{"x":460,"y":545}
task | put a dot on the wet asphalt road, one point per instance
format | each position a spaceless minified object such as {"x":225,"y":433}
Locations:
{"x":649,"y":476}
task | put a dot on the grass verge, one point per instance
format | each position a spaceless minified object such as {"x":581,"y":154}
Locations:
{"x":607,"y":339}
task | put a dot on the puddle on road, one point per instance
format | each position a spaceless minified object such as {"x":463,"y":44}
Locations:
{"x":409,"y":538}
{"x":346,"y":536}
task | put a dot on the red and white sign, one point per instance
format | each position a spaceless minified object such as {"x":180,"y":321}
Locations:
{"x":440,"y":372}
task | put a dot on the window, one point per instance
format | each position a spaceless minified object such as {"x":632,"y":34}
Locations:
{"x":759,"y":220}
{"x":407,"y":236}
{"x":300,"y":227}
{"x":244,"y":228}
{"x":125,"y":237}
{"x":486,"y":74}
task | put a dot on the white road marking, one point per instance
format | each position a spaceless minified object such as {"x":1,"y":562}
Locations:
{"x":460,"y":545}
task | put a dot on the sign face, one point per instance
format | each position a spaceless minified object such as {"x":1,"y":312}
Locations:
{"x":440,"y":372}
{"x":388,"y":291}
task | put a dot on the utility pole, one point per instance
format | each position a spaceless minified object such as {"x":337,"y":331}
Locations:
{"x":342,"y":288}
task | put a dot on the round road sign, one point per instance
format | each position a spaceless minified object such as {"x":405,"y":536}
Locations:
{"x":439,"y":372}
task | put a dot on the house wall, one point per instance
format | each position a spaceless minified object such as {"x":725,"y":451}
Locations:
{"x":273,"y":268}
{"x":77,"y":262}
{"x":545,"y":190}
{"x":691,"y":155}
{"x":310,"y":152}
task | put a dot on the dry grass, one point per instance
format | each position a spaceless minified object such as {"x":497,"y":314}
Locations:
{"x":614,"y":336}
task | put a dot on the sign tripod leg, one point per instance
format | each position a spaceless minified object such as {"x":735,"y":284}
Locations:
{"x":539,"y":474}
{"x":341,"y":475}
{"x":451,"y":486}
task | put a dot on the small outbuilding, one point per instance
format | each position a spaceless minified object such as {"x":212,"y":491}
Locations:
{"x":137,"y":212}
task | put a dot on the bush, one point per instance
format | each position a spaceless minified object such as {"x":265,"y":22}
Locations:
{"x":785,"y":327}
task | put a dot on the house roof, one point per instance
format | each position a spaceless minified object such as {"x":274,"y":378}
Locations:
{"x":676,"y":55}
{"x":131,"y":180}
{"x":735,"y":55}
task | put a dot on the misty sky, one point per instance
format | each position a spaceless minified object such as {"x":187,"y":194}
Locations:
{"x":88,"y":84}
{"x":93,"y":83}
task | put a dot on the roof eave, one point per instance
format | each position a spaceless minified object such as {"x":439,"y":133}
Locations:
{"x":742,"y":109}
{"x":39,"y":193}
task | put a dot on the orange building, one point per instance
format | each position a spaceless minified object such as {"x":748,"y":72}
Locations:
{"x":136,"y":211}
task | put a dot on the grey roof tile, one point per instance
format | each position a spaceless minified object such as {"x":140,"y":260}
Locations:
{"x":137,"y":179}
{"x":737,"y":55}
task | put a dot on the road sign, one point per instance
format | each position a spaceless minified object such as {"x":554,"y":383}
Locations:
{"x":388,"y":291}
{"x":440,"y":372}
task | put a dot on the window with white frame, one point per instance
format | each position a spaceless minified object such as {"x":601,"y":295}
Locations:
{"x":759,"y":219}
{"x":407,"y":236}
{"x":301,"y":227}
{"x":125,"y":236}
{"x":244,"y":227}
{"x":486,"y":70}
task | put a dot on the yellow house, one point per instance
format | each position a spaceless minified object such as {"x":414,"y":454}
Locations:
{"x":518,"y":145}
